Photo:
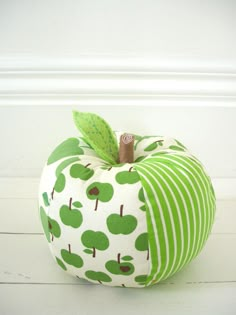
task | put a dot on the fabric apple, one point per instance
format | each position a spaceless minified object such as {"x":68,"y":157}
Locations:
{"x":121,"y":209}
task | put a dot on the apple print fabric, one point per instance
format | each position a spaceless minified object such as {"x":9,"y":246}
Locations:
{"x":100,"y":215}
{"x":112,"y":224}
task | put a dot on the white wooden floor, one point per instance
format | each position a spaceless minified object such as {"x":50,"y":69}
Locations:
{"x":31,"y":283}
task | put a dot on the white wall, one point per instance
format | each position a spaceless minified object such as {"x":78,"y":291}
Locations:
{"x":151,"y":66}
{"x":28,"y":134}
{"x":181,"y":32}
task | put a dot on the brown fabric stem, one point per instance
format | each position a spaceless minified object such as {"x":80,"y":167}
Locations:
{"x":126,"y":149}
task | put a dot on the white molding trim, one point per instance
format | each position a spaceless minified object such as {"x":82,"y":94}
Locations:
{"x":76,"y":100}
{"x":127,"y":62}
{"x":109,"y":81}
{"x":40,"y":86}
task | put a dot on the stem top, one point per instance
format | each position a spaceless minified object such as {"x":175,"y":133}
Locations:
{"x":126,"y":148}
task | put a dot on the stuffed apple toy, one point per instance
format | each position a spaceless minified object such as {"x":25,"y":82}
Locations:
{"x":121,"y":209}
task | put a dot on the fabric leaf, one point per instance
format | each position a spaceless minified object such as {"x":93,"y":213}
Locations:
{"x":98,"y":134}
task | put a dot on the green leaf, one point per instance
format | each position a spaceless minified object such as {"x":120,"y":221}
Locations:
{"x":137,"y":137}
{"x":60,"y":183}
{"x":151,"y":147}
{"x":143,"y":208}
{"x":64,"y":164}
{"x":98,"y":134}
{"x":68,"y":147}
{"x":176,"y":148}
{"x":77,"y":204}
{"x":180,"y":144}
{"x":85,"y":141}
{"x":159,"y":153}
{"x":139,"y":159}
{"x":141,"y":195}
{"x":60,"y":263}
{"x":142,"y":279}
{"x":44,"y":221}
{"x":88,"y":251}
{"x":141,"y":139}
{"x":127,"y":258}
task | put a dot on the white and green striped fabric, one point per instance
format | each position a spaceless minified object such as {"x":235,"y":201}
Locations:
{"x":180,"y":208}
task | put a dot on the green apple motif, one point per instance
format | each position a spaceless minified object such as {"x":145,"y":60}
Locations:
{"x":50,"y":226}
{"x":141,"y":243}
{"x":180,"y":144}
{"x":141,"y":198}
{"x":44,"y":221}
{"x":106,"y":167}
{"x":80,"y":171}
{"x":71,"y":217}
{"x":60,"y":263}
{"x":140,"y":138}
{"x":139,"y":159}
{"x":154,"y":145}
{"x":141,"y":279}
{"x":71,"y":258}
{"x":60,"y":183}
{"x":127,"y":177}
{"x":68,"y":147}
{"x":61,"y":179}
{"x":99,"y":192}
{"x":97,"y":276}
{"x":64,"y":164}
{"x":121,"y":224}
{"x":45,"y":199}
{"x":117,"y":267}
{"x":176,"y":148}
{"x":95,"y":240}
{"x":54,"y":228}
{"x":109,"y":167}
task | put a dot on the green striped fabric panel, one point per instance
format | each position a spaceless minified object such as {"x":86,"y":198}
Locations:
{"x":180,"y":205}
